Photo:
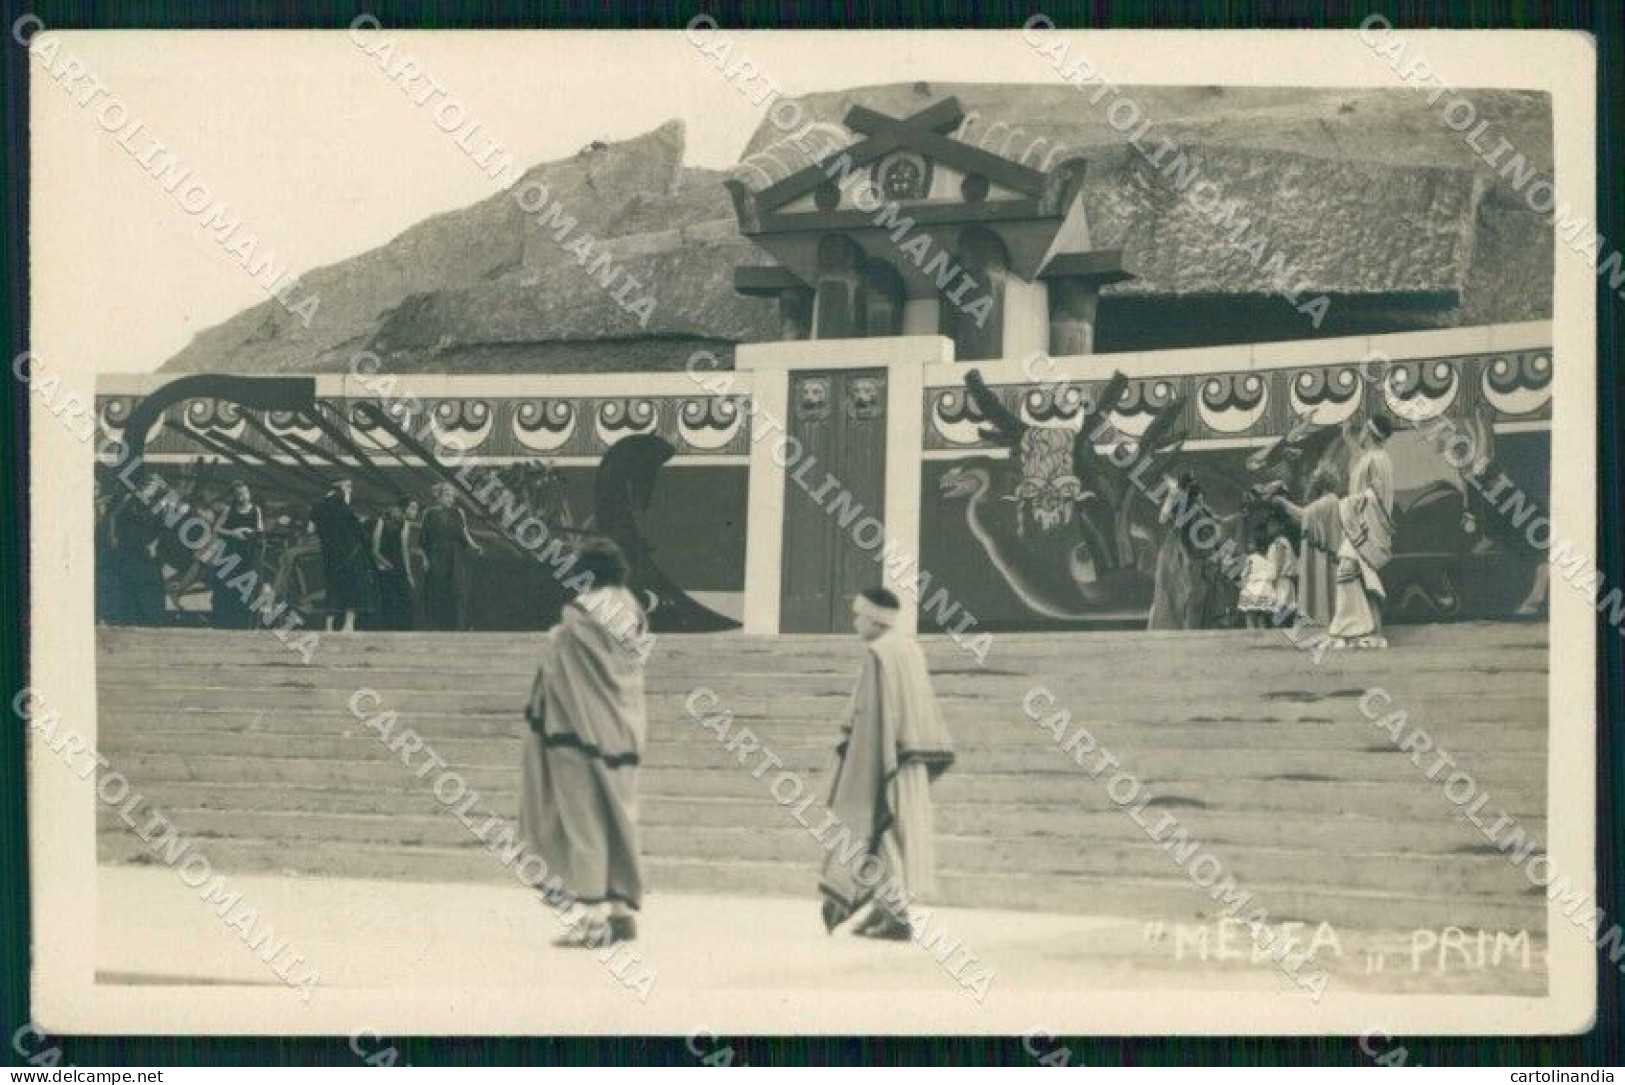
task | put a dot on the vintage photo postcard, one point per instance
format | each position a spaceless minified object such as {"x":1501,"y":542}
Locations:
{"x":707,"y":533}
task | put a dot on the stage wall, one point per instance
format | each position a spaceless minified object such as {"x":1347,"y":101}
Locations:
{"x":996,"y":524}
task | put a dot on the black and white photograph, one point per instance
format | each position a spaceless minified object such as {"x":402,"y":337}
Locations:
{"x":712,"y":532}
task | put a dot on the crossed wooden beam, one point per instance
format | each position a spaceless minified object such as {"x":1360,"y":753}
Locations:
{"x":924,"y":131}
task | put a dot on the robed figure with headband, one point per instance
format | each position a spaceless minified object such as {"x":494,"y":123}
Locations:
{"x":880,"y":847}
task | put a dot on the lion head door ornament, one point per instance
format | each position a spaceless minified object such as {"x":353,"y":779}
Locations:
{"x":1048,"y":490}
{"x":864,"y":399}
{"x":812,"y":400}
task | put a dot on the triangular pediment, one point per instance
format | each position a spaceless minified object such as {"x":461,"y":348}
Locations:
{"x":905,"y":193}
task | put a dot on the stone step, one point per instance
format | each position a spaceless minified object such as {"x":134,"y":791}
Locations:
{"x":405,"y":671}
{"x":1511,"y":636}
{"x":700,"y":749}
{"x":791,"y":843}
{"x":1173,"y":897}
{"x":1271,"y":793}
{"x":1515,"y":707}
{"x":148,"y":729}
{"x":1262,"y":755}
{"x":382,"y":817}
{"x":1520,"y":719}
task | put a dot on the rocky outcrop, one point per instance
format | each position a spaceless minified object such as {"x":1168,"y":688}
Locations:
{"x":490,"y":277}
{"x":1267,"y":219}
{"x":1360,"y":192}
{"x":1375,"y":125}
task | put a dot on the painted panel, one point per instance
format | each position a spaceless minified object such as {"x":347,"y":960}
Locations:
{"x":549,"y":453}
{"x":1007,"y":539}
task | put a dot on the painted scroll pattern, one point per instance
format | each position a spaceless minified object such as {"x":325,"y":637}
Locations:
{"x":480,"y":427}
{"x":1257,"y":405}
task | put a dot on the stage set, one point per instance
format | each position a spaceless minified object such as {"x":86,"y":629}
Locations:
{"x":972,"y":432}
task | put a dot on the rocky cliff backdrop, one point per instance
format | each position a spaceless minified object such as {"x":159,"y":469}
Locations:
{"x":1367,"y":193}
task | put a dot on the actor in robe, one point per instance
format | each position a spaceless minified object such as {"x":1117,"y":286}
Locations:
{"x":240,"y":529}
{"x":138,"y":572}
{"x":1188,"y":588}
{"x":447,"y":567}
{"x":578,"y":804}
{"x":350,"y":579}
{"x":394,"y":550}
{"x":1321,"y":538}
{"x":1360,"y":527}
{"x":893,"y":745}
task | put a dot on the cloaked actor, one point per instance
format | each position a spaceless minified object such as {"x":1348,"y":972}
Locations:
{"x":893,"y":745}
{"x":1359,"y":529}
{"x":578,"y":807}
{"x":349,"y":577}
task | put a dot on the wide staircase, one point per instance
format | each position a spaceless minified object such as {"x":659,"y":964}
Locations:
{"x":1262,"y":755}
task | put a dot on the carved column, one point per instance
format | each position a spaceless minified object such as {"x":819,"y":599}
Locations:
{"x":1073,"y":303}
{"x":794,"y":298}
{"x":1075,"y":280}
{"x":795,"y":312}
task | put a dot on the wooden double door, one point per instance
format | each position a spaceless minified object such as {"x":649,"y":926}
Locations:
{"x":831,"y":552}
